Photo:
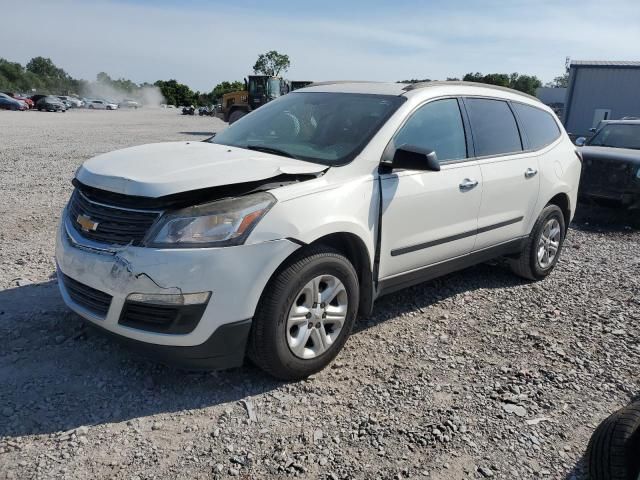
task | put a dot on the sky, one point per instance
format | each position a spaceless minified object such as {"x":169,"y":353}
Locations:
{"x":203,"y":42}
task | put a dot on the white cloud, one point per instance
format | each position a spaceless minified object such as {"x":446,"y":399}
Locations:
{"x":202,"y":47}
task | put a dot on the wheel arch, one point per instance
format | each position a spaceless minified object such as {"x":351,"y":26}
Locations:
{"x":562,"y":201}
{"x":233,"y":108}
{"x":354,"y":249}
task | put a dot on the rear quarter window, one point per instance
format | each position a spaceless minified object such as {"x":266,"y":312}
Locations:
{"x":494,"y":128}
{"x":539,"y":126}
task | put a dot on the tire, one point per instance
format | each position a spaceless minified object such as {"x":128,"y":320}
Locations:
{"x":271,"y":331}
{"x":90,"y":107}
{"x":235,"y":116}
{"x":613,"y":449}
{"x":528,"y":264}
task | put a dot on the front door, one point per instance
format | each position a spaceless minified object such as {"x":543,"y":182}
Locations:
{"x":428,"y":216}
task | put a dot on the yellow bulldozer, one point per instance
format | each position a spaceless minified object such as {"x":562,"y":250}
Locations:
{"x":258,"y":90}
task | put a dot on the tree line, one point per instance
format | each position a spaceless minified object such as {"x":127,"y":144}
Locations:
{"x":43,"y":76}
{"x":523,"y":83}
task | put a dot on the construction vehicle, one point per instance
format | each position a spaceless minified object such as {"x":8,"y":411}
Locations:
{"x":296,"y":84}
{"x":259,"y":89}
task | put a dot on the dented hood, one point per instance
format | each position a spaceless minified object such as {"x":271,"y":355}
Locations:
{"x":160,"y":169}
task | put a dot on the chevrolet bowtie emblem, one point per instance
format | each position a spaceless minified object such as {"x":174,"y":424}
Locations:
{"x":86,"y":223}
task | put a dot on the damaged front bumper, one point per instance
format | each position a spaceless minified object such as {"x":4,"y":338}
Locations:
{"x":212,"y":294}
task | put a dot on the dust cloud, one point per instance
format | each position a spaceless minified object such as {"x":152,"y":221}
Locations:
{"x":147,"y":95}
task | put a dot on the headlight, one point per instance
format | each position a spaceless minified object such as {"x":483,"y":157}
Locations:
{"x":216,"y":224}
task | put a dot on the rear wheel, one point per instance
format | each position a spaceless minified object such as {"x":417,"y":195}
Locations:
{"x":236,"y":115}
{"x":543,"y":247}
{"x":305,"y":314}
{"x":612,"y":453}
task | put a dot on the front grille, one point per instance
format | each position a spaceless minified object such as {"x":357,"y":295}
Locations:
{"x":95,"y":301}
{"x":175,"y":319}
{"x":115,"y":225}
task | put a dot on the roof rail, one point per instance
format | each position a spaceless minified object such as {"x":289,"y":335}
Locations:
{"x":338,"y":82}
{"x":437,"y":83}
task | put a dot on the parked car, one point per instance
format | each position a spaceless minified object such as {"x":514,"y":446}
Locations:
{"x":72,"y":102}
{"x":35,"y":98}
{"x":129,"y":104}
{"x":189,"y":110}
{"x":102,"y":105}
{"x":10,"y":103}
{"x":51,"y":104}
{"x":20,"y":98}
{"x":268,"y":238}
{"x":612,"y":453}
{"x":611,"y":171}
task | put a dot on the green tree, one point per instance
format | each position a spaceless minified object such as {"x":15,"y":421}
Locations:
{"x":226,"y":87}
{"x":272,"y":63}
{"x":11,"y":75}
{"x":176,"y":93}
{"x":103,"y":77}
{"x":561,"y":81}
{"x":415,"y":80}
{"x":44,"y":67}
{"x":524,"y":83}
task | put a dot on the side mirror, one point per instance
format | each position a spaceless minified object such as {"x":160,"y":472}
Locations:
{"x":410,"y":157}
{"x":580,"y":141}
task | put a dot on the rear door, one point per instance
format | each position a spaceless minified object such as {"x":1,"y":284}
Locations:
{"x":510,"y":173}
{"x":427,"y":216}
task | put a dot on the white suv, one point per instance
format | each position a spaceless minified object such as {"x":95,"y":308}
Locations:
{"x":269,"y":238}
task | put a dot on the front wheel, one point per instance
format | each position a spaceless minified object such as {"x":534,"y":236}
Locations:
{"x":543,"y":246}
{"x":235,"y":116}
{"x":305,"y":314}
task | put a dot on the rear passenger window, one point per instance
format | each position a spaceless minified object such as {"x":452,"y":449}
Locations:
{"x":539,"y":126}
{"x":436,"y":126}
{"x":494,"y":127}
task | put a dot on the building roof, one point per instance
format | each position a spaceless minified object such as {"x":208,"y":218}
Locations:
{"x":605,"y":63}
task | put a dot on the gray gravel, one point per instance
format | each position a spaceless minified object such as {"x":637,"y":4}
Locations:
{"x":475,"y":375}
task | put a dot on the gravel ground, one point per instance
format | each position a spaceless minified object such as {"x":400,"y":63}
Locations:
{"x":477,"y":374}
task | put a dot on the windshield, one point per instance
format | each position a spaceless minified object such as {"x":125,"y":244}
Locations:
{"x":327,"y":128}
{"x":621,"y":135}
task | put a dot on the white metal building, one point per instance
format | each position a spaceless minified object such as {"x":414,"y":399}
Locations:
{"x":600,"y":90}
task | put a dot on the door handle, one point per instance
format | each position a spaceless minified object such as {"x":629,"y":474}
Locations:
{"x":530,"y":172}
{"x":468,"y":184}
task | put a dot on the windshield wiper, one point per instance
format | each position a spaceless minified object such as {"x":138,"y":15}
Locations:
{"x":266,"y":149}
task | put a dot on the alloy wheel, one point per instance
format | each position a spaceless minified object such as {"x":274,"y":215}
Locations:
{"x":549,"y":243}
{"x":317,"y":316}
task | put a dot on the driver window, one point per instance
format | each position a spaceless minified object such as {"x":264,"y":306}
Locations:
{"x":436,"y":126}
